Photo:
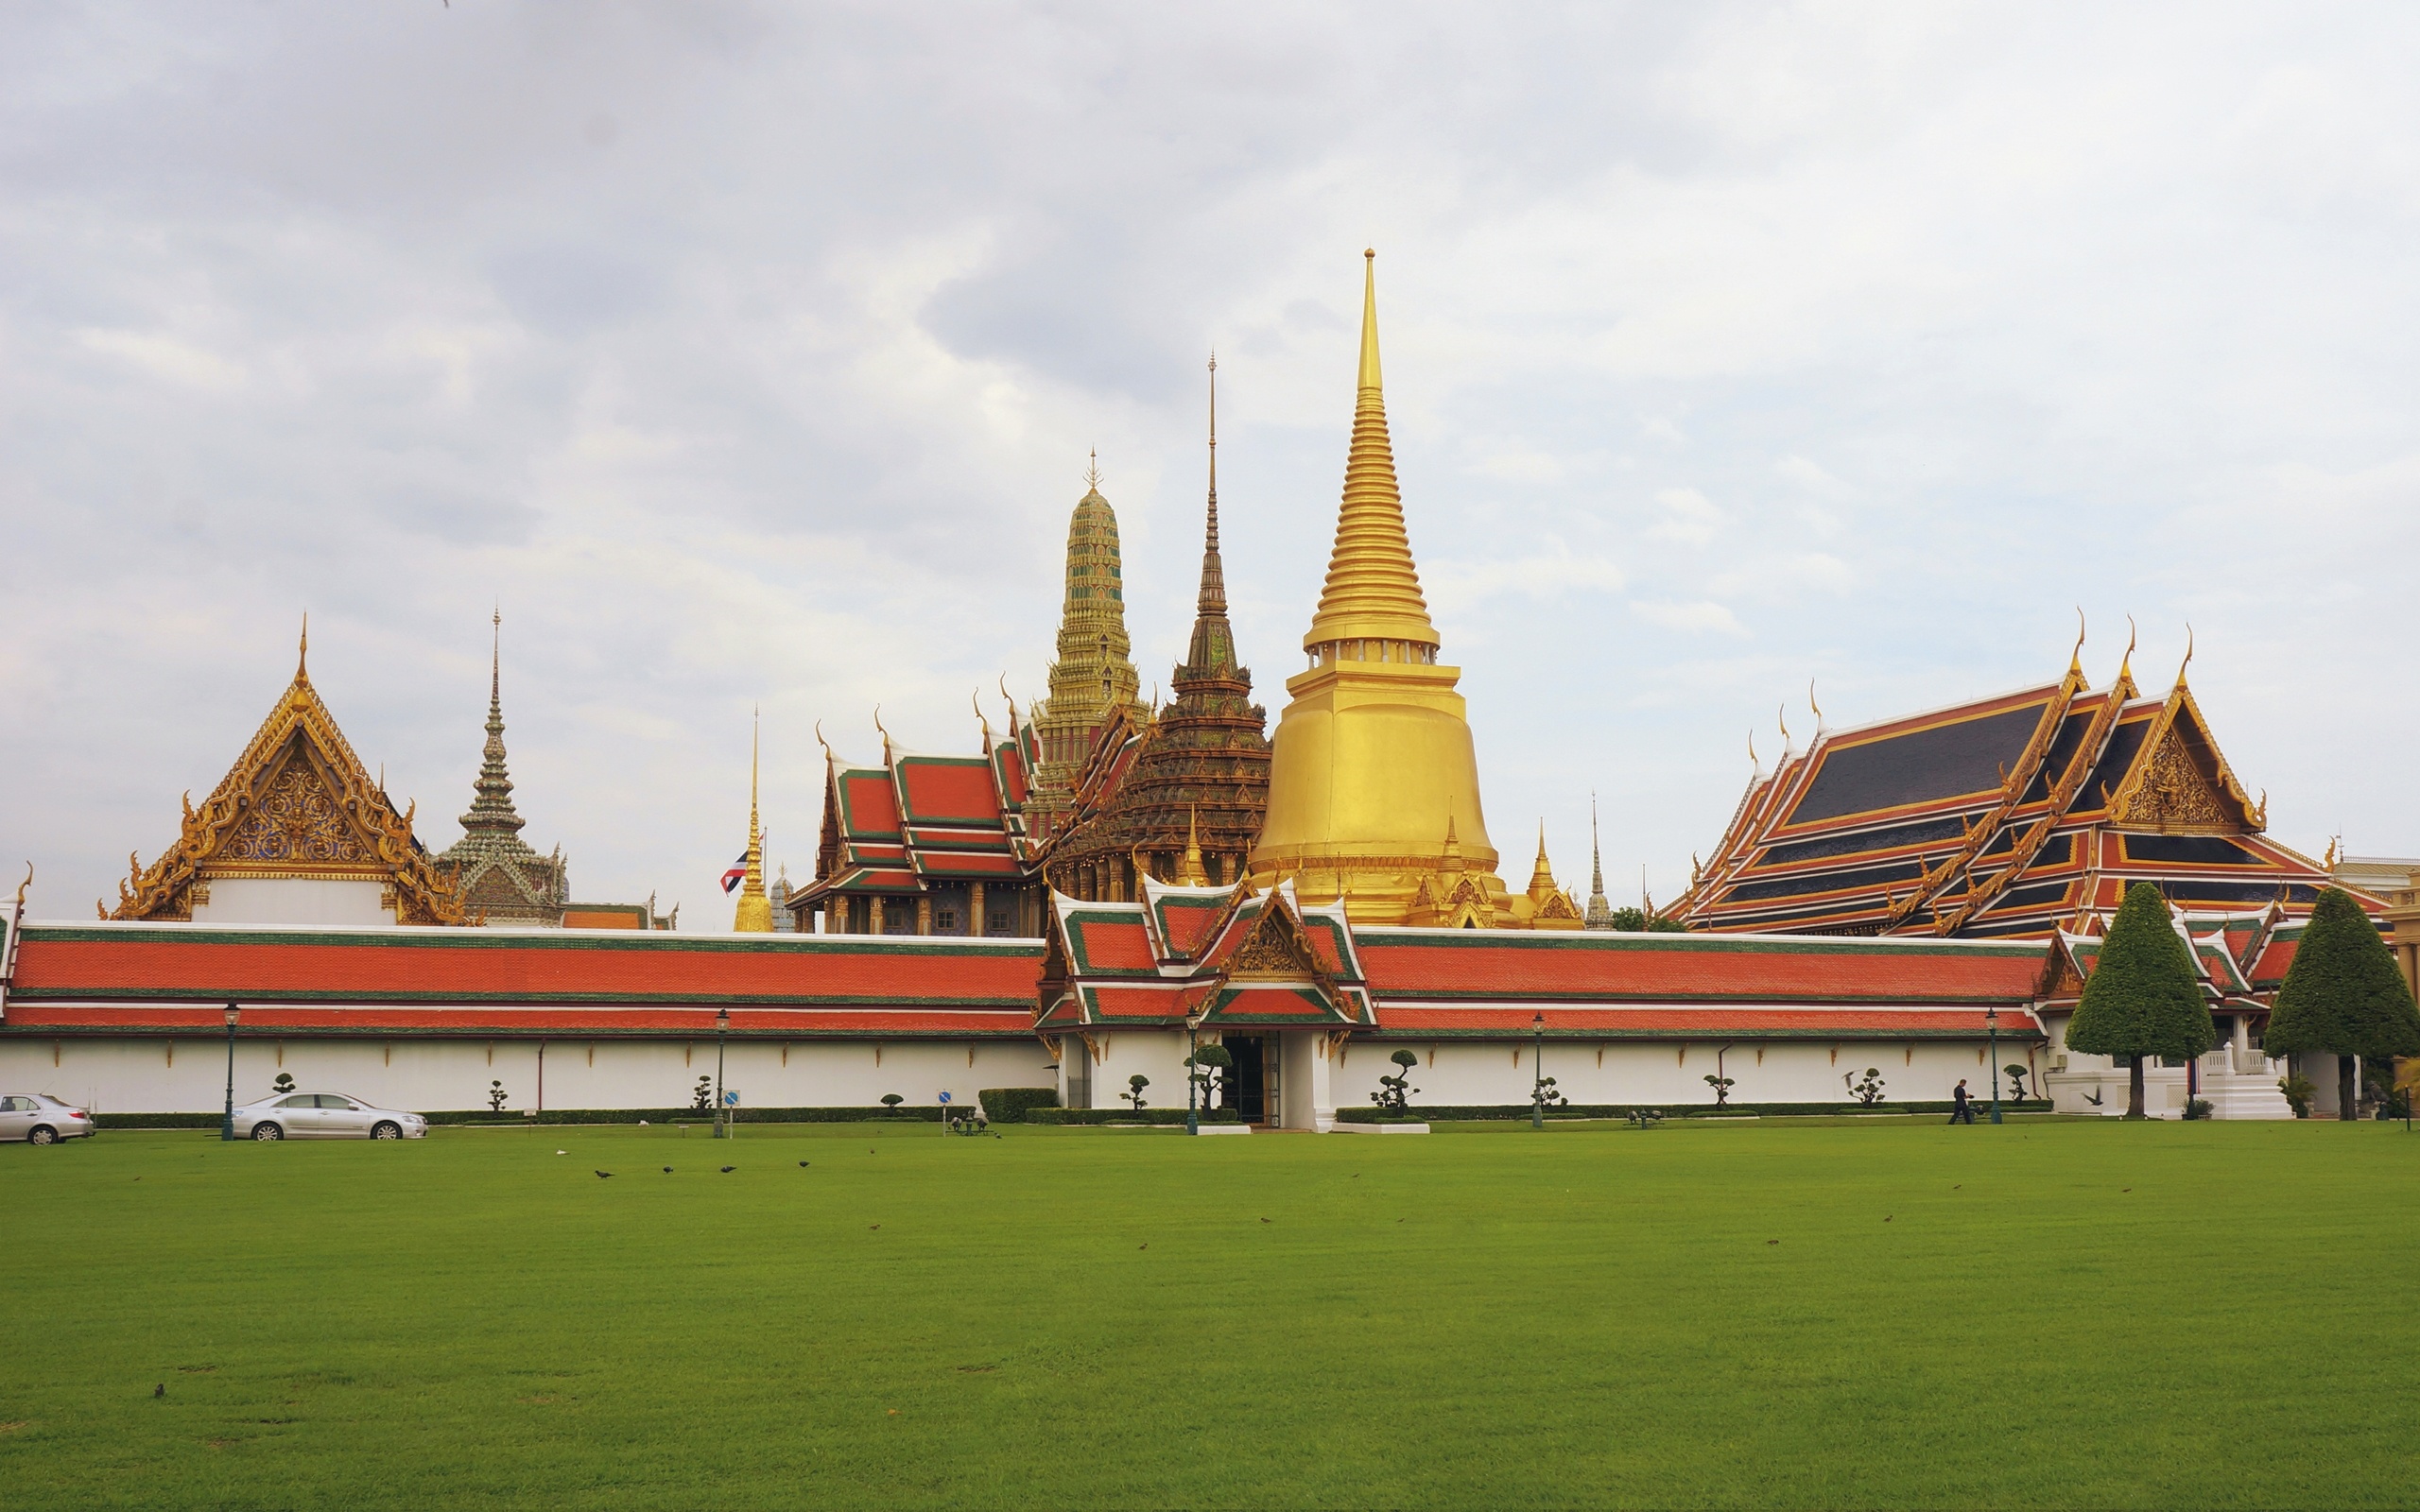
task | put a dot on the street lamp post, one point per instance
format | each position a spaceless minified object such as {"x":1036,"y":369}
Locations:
{"x":1538,"y":1075}
{"x":723,"y":1113}
{"x":1992,"y":1036}
{"x":227,"y":1126}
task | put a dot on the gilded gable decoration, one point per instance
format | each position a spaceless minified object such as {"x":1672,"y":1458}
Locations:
{"x":1274,"y":947}
{"x":298,"y":803}
{"x":2182,"y":782}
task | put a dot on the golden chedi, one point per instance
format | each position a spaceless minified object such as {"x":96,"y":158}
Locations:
{"x":1373,"y":785}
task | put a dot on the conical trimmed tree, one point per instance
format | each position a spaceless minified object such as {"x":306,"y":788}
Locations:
{"x":2343,"y":996}
{"x":2144,"y":997}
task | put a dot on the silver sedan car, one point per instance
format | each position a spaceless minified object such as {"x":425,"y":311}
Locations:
{"x":323,"y":1116}
{"x":42,"y":1119}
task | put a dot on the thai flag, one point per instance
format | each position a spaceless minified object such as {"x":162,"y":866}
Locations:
{"x":738,"y":874}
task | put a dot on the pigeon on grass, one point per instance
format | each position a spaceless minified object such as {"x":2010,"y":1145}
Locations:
{"x":602,"y":1175}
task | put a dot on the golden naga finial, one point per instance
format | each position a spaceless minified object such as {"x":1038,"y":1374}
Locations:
{"x":1812,"y":704}
{"x":2075,"y":658}
{"x":2189,"y":654}
{"x":1784,"y":717}
{"x":2126,"y":662}
{"x":2328,"y":862}
{"x":23,"y":885}
{"x":303,"y":657}
{"x":1752,"y":752}
{"x":886,"y":734}
{"x":976,"y":699}
{"x":1012,"y":702}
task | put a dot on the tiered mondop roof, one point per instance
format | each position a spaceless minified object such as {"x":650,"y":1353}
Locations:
{"x":500,"y":879}
{"x":1194,"y":779}
{"x":2016,"y":815}
{"x":298,"y":803}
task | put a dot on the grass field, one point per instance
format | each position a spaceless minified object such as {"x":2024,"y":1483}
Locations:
{"x":1879,"y":1314}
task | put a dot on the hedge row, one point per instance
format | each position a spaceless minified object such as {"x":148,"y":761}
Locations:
{"x":508,"y":1118}
{"x":1008,"y":1104}
{"x":1123,"y":1115}
{"x":1481,"y":1112}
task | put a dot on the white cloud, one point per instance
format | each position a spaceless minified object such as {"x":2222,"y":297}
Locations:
{"x":1703,"y":616}
{"x":1689,"y":517}
{"x":163,"y":356}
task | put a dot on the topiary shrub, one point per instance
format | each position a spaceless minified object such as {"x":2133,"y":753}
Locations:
{"x":495,"y":1097}
{"x":891,"y":1099}
{"x":283,"y":1083}
{"x":1722,"y":1086}
{"x":2143,"y":997}
{"x":701,"y":1097}
{"x":1868,"y":1092}
{"x":2343,"y":996}
{"x":1133,"y":1092}
{"x":1395,"y":1093}
{"x":2016,"y":1076}
{"x":1008,"y":1105}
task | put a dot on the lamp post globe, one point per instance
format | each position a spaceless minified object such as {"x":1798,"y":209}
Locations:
{"x":1992,"y":1038}
{"x":723,"y":1114}
{"x":1538,"y":1075}
{"x":227,"y":1125}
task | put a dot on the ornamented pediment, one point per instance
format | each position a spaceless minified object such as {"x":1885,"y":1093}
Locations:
{"x":297,"y":803}
{"x":2180,"y":782}
{"x":1274,"y":946}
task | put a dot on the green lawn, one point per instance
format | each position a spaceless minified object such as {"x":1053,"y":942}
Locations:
{"x":1892,"y":1313}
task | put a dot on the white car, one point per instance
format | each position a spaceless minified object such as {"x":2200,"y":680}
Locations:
{"x":42,"y":1119}
{"x":324,"y":1116}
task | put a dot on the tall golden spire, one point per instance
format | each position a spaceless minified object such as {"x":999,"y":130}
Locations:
{"x":1373,"y":590}
{"x":754,"y":914}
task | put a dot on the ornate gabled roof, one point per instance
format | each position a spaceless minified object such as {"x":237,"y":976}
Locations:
{"x":1254,"y":959}
{"x":298,"y":802}
{"x":2006,"y":816}
{"x":919,"y":818}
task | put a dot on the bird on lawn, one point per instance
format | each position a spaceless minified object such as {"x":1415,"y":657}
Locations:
{"x":802,"y":1164}
{"x":160,"y":1390}
{"x":728,"y":1169}
{"x":602,"y":1175}
{"x":667,"y":1170}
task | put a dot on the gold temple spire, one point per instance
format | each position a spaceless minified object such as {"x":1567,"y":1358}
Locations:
{"x":1193,"y":875}
{"x":1372,"y":589}
{"x":754,"y":914}
{"x":1542,"y":874}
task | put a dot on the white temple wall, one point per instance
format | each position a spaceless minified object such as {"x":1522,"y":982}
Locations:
{"x":1671,"y":1074}
{"x":294,"y":900}
{"x":188,"y":1073}
{"x":1126,"y":1053}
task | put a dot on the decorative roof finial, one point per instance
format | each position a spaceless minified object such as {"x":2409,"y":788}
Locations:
{"x":303,"y":657}
{"x":1092,"y":471}
{"x":886,"y":734}
{"x":2126,"y":662}
{"x":2189,"y":654}
{"x":1193,"y":874}
{"x":1784,"y":717}
{"x":976,"y":699}
{"x":1817,"y":707}
{"x":2075,"y":658}
{"x":1753,"y":759}
{"x":1012,"y":705}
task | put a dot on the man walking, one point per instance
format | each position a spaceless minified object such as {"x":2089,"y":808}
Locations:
{"x":1961,"y":1109}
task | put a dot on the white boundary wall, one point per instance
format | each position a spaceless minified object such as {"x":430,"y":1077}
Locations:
{"x":188,"y":1073}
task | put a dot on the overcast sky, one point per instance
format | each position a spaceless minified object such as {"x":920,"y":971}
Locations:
{"x":751,"y":355}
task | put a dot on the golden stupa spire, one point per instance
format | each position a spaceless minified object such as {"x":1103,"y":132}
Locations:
{"x":1193,"y":875}
{"x":754,"y":914}
{"x":1542,"y":875}
{"x":1373,"y":590}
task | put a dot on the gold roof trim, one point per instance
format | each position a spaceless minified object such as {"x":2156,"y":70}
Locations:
{"x":373,"y":841}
